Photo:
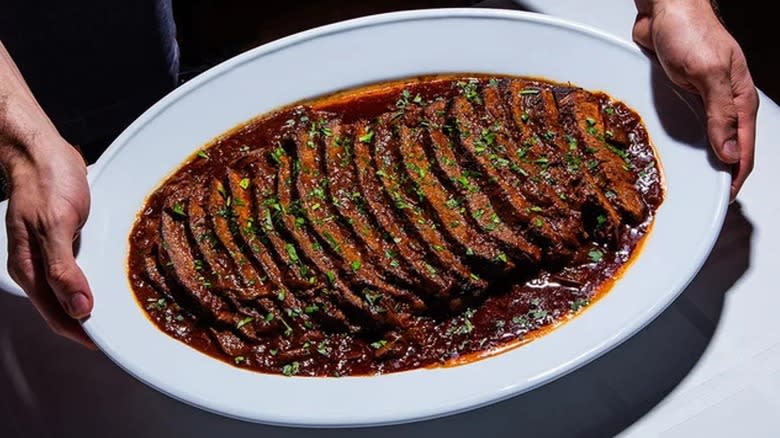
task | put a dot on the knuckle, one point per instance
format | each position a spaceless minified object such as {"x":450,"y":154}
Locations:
{"x":19,"y":271}
{"x":59,"y":274}
{"x":704,"y":66}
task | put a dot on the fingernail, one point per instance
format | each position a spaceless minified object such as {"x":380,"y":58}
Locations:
{"x":731,"y":150}
{"x":78,"y":304}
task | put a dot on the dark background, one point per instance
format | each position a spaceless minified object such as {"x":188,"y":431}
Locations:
{"x":210,"y":31}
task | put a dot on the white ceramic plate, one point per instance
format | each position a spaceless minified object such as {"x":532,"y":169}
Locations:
{"x":359,"y":52}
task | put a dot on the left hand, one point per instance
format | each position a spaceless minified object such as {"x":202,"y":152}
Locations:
{"x":699,"y":54}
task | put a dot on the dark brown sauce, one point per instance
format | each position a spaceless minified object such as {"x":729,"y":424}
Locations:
{"x":517,"y":314}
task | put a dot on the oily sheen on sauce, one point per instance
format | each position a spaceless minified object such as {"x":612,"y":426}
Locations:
{"x":400,"y":225}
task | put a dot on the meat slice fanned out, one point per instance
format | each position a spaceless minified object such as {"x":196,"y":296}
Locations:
{"x":345,"y":195}
{"x":409,"y":209}
{"x":470,"y":196}
{"x":319,"y":214}
{"x":581,"y":117}
{"x":378,"y":204}
{"x":502,"y":184}
{"x":405,"y":225}
{"x":378,"y":310}
{"x":415,"y":166}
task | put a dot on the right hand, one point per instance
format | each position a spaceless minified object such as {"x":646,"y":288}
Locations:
{"x":48,"y":205}
{"x":699,"y":54}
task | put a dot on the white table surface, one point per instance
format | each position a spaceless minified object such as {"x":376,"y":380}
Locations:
{"x":708,"y":366}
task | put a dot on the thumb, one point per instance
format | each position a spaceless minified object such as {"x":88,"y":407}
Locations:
{"x":722,"y":117}
{"x":65,"y":278}
{"x":642,"y":32}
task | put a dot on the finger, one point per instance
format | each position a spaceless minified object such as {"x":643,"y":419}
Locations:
{"x":62,"y":273}
{"x":26,"y":270}
{"x":747,"y":109}
{"x":641,"y":32}
{"x":716,"y":90}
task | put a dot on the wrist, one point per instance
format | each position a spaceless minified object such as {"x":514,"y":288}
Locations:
{"x":26,"y":137}
{"x":655,"y":7}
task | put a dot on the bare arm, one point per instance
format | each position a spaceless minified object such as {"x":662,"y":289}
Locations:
{"x":699,"y":54}
{"x":48,"y":204}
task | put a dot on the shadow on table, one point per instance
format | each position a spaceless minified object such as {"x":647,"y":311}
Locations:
{"x":50,"y":385}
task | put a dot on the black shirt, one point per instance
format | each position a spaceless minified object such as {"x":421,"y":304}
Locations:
{"x":94,"y":65}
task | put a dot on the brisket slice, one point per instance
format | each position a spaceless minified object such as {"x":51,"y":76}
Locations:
{"x":374,"y":308}
{"x":536,"y":115}
{"x":536,"y":174}
{"x":219,"y":209}
{"x":346,"y":197}
{"x":544,"y":164}
{"x":378,"y":203}
{"x":255,"y":241}
{"x":480,"y":209}
{"x":226,"y":340}
{"x":199,"y":285}
{"x":311,"y":189}
{"x":483,"y":254}
{"x":415,"y":216}
{"x":268,"y":215}
{"x":240,"y":188}
{"x":581,"y":118}
{"x":496,"y":181}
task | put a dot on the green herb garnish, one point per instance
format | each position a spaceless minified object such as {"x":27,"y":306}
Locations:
{"x":595,"y":255}
{"x":244,"y":322}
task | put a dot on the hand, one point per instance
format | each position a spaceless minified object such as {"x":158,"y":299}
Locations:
{"x":48,"y":204}
{"x":699,"y":54}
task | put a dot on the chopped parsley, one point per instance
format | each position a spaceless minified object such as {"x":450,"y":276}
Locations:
{"x":572,"y":142}
{"x":527,"y":91}
{"x":372,"y":297}
{"x":595,"y":255}
{"x":277,"y":154}
{"x":323,"y":349}
{"x":291,"y":252}
{"x":203,"y":154}
{"x":244,"y":183}
{"x":378,"y":344}
{"x":291,"y":369}
{"x":244,"y":322}
{"x":178,"y":209}
{"x":578,"y":304}
{"x":469,"y":89}
{"x":367,"y":137}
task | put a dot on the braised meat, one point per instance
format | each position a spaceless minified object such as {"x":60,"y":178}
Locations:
{"x":396,"y":226}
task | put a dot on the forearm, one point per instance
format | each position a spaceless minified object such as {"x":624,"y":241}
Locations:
{"x":651,"y":7}
{"x":25,"y":131}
